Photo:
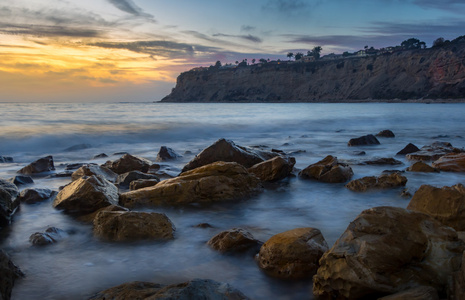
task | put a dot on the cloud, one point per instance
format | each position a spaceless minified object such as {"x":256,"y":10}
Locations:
{"x":48,"y":31}
{"x":247,"y":28}
{"x":247,"y":37}
{"x":450,"y":5}
{"x":285,"y":5}
{"x":129,"y":7}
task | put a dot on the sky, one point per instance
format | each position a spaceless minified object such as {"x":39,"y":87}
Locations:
{"x":133,"y":50}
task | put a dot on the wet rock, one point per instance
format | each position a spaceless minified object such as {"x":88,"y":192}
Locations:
{"x":359,"y":153}
{"x":420,"y":166}
{"x":75,"y":166}
{"x":124,"y":180}
{"x":459,"y":282}
{"x":60,"y":175}
{"x":386,"y":250}
{"x":121,"y":226}
{"x":101,"y":155}
{"x":203,"y":225}
{"x":31,"y":196}
{"x":296,"y":152}
{"x":219,"y":181}
{"x":44,"y":164}
{"x":433,"y":151}
{"x":363,"y":140}
{"x":6,"y":159}
{"x":50,"y":236}
{"x":89,"y":218}
{"x":86,"y":195}
{"x":383,"y":161}
{"x":328,"y":170}
{"x":8,"y":203}
{"x":21,"y":180}
{"x":128,"y":163}
{"x":454,"y":162}
{"x":226,"y":150}
{"x":194,"y":289}
{"x":273,"y":169}
{"x":166,"y":154}
{"x":142,"y":183}
{"x":446,"y":204}
{"x":293,"y":254}
{"x":234,"y":240}
{"x":418,"y":293}
{"x":78,"y":147}
{"x":9,"y":272}
{"x":385,"y":181}
{"x":386,"y":133}
{"x":410,"y":148}
{"x":91,"y":169}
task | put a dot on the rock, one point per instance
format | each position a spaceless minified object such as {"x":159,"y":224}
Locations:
{"x":203,"y":225}
{"x":459,"y":282}
{"x":410,"y":148}
{"x":383,"y":161}
{"x":31,"y":196}
{"x":194,"y":289}
{"x":363,"y":140}
{"x":454,"y":162}
{"x":420,"y":166}
{"x":385,"y":181}
{"x":293,"y":254}
{"x":226,"y":150}
{"x":386,"y":133}
{"x":386,"y":250}
{"x":21,"y":180}
{"x":6,"y":159}
{"x":418,"y":293}
{"x":359,"y":153}
{"x":75,"y":166}
{"x":89,"y":218}
{"x":433,"y":151}
{"x":166,"y":153}
{"x":142,"y":183}
{"x":78,"y":147}
{"x":234,"y":240}
{"x":328,"y":170}
{"x":8,"y":202}
{"x":124,"y":180}
{"x":50,"y":236}
{"x":60,"y":175}
{"x":89,"y":170}
{"x":273,"y":169}
{"x":128,"y":163}
{"x":219,"y":181}
{"x":121,"y":226}
{"x":446,"y":204}
{"x":86,"y":195}
{"x":44,"y":164}
{"x":101,"y":155}
{"x":9,"y":272}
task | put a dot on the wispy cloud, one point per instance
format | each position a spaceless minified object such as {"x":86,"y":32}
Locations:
{"x":450,"y":5}
{"x":247,"y":37}
{"x":48,"y":31}
{"x":286,"y":6}
{"x":129,"y":7}
{"x":247,"y":28}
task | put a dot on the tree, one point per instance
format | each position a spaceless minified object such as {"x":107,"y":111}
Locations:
{"x":298,"y":55}
{"x":413,"y":43}
{"x":316,"y":51}
{"x":237,"y":62}
{"x":263,"y":61}
{"x":253,"y":60}
{"x":439,"y":42}
{"x":218,"y":64}
{"x":290,"y":55}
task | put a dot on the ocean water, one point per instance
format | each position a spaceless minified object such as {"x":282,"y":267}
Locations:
{"x":81,"y":265}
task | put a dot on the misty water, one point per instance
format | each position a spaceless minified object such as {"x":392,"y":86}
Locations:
{"x":80,"y":265}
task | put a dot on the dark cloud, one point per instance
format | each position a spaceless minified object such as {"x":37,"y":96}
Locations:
{"x":247,"y":28}
{"x":129,"y":7}
{"x":48,"y":31}
{"x":247,"y":37}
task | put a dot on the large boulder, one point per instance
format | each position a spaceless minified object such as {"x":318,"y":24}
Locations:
{"x":387,"y":250}
{"x":433,"y":151}
{"x":128,"y":163}
{"x":234,"y":240}
{"x":446,"y":204}
{"x":8,"y":203}
{"x":385,"y":181}
{"x":124,"y":180}
{"x":194,"y":289}
{"x":328,"y":170}
{"x":363,"y":140}
{"x":226,"y":150}
{"x":219,"y":181}
{"x":86,"y":195}
{"x":273,"y":169}
{"x":454,"y":162}
{"x":9,"y":272}
{"x":31,"y":196}
{"x":293,"y":254}
{"x":410,"y":148}
{"x":44,"y":164}
{"x":120,"y":226}
{"x":420,"y":166}
{"x":91,"y":169}
{"x":166,"y":153}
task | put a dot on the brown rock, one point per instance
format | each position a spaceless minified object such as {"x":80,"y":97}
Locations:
{"x":458,"y":291}
{"x":328,"y":170}
{"x":9,"y":272}
{"x":386,"y":133}
{"x":383,"y":161}
{"x":454,"y":162}
{"x":89,"y":218}
{"x":293,"y":254}
{"x":273,"y":169}
{"x":387,"y":250}
{"x":418,"y":293}
{"x":410,"y":148}
{"x":124,"y":180}
{"x":142,"y":183}
{"x":433,"y":151}
{"x":385,"y":181}
{"x":89,"y":170}
{"x":234,"y":240}
{"x":446,"y":204}
{"x":219,"y":181}
{"x":420,"y":166}
{"x":44,"y":164}
{"x":8,"y":202}
{"x":363,"y":140}
{"x":122,"y":226}
{"x":128,"y":163}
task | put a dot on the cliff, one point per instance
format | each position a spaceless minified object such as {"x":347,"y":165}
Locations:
{"x":436,"y":73}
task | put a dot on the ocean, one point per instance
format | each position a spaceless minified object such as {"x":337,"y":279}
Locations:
{"x":81,"y":265}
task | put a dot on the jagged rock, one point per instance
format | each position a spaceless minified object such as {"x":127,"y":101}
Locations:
{"x":433,"y":151}
{"x":418,"y":293}
{"x":446,"y":204}
{"x":8,"y":203}
{"x":21,"y":180}
{"x":142,"y":183}
{"x":50,"y":236}
{"x":234,"y":240}
{"x":273,"y":169}
{"x":328,"y":170}
{"x":124,"y":180}
{"x":410,"y":148}
{"x":89,"y":170}
{"x":120,"y":226}
{"x":363,"y":140}
{"x":194,"y":289}
{"x":6,"y":159}
{"x":166,"y":153}
{"x":454,"y":162}
{"x":9,"y":272}
{"x":386,"y":133}
{"x":31,"y":196}
{"x":128,"y":163}
{"x":101,"y":155}
{"x":219,"y":181}
{"x":86,"y":195}
{"x":387,"y":250}
{"x":293,"y":254}
{"x":226,"y":150}
{"x":385,"y":181}
{"x":44,"y":164}
{"x":420,"y":166}
{"x":383,"y":161}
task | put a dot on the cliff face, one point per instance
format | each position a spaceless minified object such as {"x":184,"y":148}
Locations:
{"x":413,"y":74}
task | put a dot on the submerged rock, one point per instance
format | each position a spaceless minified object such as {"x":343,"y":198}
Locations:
{"x":234,"y":240}
{"x":91,"y":169}
{"x":363,"y":140}
{"x":6,"y":159}
{"x":433,"y":151}
{"x":8,"y":203}
{"x":386,"y":133}
{"x":454,"y":162}
{"x":50,"y":236}
{"x":383,"y":161}
{"x":124,"y":180}
{"x":31,"y":196}
{"x":78,"y":147}
{"x":410,"y":148}
{"x":328,"y":170}
{"x":420,"y":166}
{"x":128,"y":163}
{"x":166,"y":153}
{"x":385,"y":181}
{"x":273,"y":169}
{"x":44,"y":164}
{"x":9,"y":272}
{"x":21,"y":180}
{"x":101,"y":155}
